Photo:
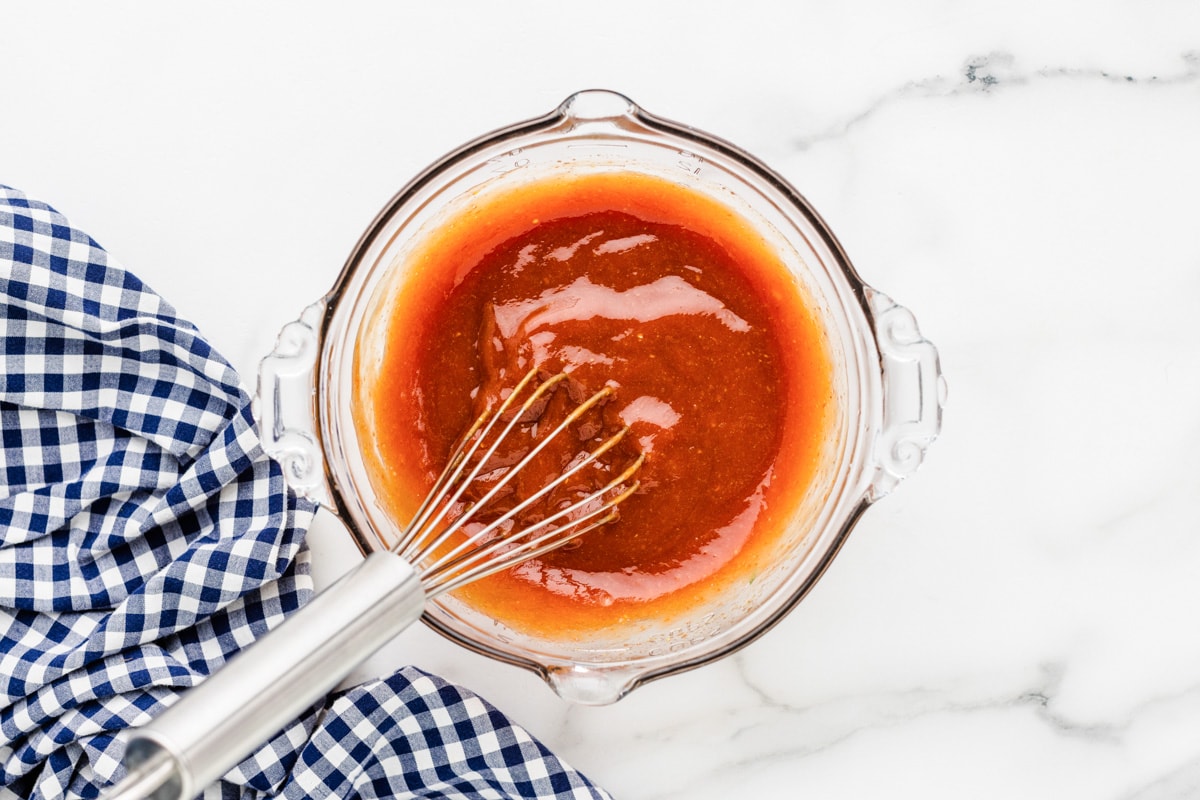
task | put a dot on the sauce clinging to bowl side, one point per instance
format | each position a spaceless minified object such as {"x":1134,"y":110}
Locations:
{"x":721,"y":369}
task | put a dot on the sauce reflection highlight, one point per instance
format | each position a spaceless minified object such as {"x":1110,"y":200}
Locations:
{"x":720,"y":367}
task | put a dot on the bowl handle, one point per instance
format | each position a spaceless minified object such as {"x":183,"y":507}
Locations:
{"x":914,"y":392}
{"x":285,"y":405}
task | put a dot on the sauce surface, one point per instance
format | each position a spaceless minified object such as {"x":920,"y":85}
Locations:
{"x":720,"y":371}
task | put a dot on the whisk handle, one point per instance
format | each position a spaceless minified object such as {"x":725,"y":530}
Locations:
{"x":216,"y":724}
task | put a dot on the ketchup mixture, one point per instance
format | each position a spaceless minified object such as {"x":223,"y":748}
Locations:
{"x":720,"y":370}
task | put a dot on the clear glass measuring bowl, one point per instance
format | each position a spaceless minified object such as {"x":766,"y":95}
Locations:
{"x":887,"y":380}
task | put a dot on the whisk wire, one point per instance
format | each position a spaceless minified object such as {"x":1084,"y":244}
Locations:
{"x":491,"y":548}
{"x":499,"y":554}
{"x":549,"y":486}
{"x":494,"y":547}
{"x":480,"y":544}
{"x":441,"y":499}
{"x":449,"y":473}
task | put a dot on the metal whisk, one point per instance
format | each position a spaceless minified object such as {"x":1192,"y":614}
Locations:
{"x":449,"y":543}
{"x":483,"y":553}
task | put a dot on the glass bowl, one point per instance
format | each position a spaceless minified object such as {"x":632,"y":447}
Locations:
{"x":887,"y":381}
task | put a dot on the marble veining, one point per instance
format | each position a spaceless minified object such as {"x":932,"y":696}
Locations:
{"x":993,"y":72}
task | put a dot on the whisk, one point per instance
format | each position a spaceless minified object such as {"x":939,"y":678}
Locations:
{"x":450,"y":542}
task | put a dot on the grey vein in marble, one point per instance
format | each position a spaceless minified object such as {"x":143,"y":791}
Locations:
{"x":989,"y":73}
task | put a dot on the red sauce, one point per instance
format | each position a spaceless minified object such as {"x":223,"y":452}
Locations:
{"x":721,"y":372}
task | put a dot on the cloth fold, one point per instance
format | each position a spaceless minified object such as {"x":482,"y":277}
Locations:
{"x":145,"y":538}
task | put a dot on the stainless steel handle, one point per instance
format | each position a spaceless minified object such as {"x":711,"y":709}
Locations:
{"x":216,"y":724}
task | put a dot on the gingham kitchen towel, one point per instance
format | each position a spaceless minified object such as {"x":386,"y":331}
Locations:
{"x":145,"y":538}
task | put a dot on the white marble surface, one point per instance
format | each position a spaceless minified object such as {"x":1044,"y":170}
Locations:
{"x":1017,"y":620}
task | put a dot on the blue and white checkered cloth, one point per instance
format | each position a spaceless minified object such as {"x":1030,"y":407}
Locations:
{"x":145,"y":538}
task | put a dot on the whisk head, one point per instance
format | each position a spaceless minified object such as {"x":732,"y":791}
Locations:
{"x":455,"y":538}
